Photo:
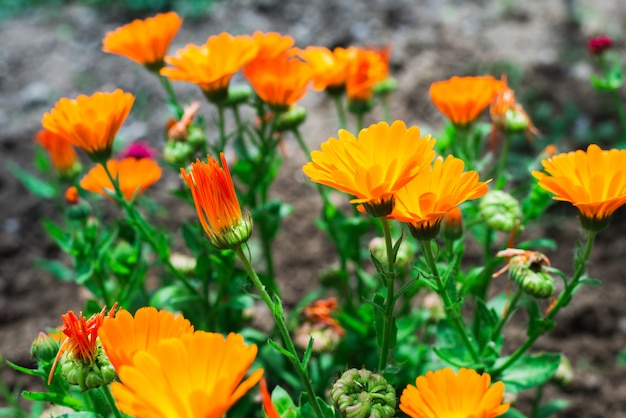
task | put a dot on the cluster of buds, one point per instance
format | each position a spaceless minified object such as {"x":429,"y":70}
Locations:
{"x":528,"y":270}
{"x":404,"y":256}
{"x":362,"y":393}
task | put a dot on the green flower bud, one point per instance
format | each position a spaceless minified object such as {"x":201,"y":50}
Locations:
{"x":404,"y":257}
{"x":44,"y":349}
{"x":87,"y":375}
{"x":515,"y":121}
{"x":79,"y":211}
{"x":360,"y":107}
{"x":453,"y":224}
{"x":564,"y":374}
{"x":239,"y":94}
{"x":385,"y":87}
{"x":361,"y":393}
{"x":500,"y":210}
{"x":290,"y":119}
{"x":196,"y":137}
{"x":183,"y":263}
{"x":178,"y":152}
{"x":539,"y":284}
{"x":233,"y":236}
{"x":71,"y":172}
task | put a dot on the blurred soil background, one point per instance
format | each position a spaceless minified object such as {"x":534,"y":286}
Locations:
{"x":50,"y":49}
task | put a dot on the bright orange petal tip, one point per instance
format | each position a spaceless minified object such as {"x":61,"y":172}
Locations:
{"x":214,"y":196}
{"x":61,"y":152}
{"x":213,"y":64}
{"x":444,"y":394}
{"x":134,"y":177}
{"x":594,"y":181}
{"x":144,"y":41}
{"x":365,"y":69}
{"x":268,"y":405}
{"x":127,"y":334}
{"x":435,"y":191}
{"x":271,"y":44}
{"x":195,"y":375}
{"x":374,"y":166}
{"x":462,"y":99}
{"x":90,"y":122}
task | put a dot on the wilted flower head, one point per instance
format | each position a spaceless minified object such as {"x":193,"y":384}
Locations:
{"x":462,"y":99}
{"x":194,"y":375}
{"x":444,"y":394}
{"x":216,"y":203}
{"x":598,"y":45}
{"x":178,"y":130}
{"x":373,"y":166}
{"x":134,"y":176}
{"x":144,"y":41}
{"x":594,"y":181}
{"x":90,"y":122}
{"x":61,"y":152}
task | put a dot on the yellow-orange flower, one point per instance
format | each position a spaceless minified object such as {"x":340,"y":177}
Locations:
{"x":443,"y":394}
{"x":374,"y":166}
{"x":216,"y":203}
{"x":365,"y":69}
{"x":144,"y":41}
{"x":195,"y":375}
{"x":594,"y":181}
{"x":428,"y":197}
{"x":462,"y":99}
{"x":61,"y":152}
{"x":213,"y":64}
{"x":90,"y":122}
{"x":271,"y":44}
{"x":330,"y":67}
{"x":133,"y":175}
{"x":81,"y":336}
{"x":279,"y":81}
{"x":125,"y":335}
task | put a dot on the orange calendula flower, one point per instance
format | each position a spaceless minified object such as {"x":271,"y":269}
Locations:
{"x":268,"y":405}
{"x":365,"y":69}
{"x":434,"y":192}
{"x":61,"y":152}
{"x":444,"y":394}
{"x":90,"y":122}
{"x":594,"y":181}
{"x":330,"y":67}
{"x":81,"y":336}
{"x":280,"y":81}
{"x":462,"y":99}
{"x":133,"y":175}
{"x":271,"y":44}
{"x":125,"y":335}
{"x":195,"y":375}
{"x":216,"y":203}
{"x":374,"y":166}
{"x":71,"y":195}
{"x":213,"y":64}
{"x":144,"y":41}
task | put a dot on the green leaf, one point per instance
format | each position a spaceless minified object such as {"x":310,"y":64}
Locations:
{"x":25,"y":370}
{"x":57,"y":269}
{"x":529,"y":371}
{"x":83,"y":414}
{"x":552,"y":407}
{"x":57,"y":234}
{"x":306,"y":410}
{"x":283,"y":403}
{"x":535,"y":203}
{"x":54,"y":398}
{"x":281,"y":350}
{"x":35,"y":185}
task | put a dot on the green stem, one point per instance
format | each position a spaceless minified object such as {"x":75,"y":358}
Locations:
{"x":500,"y":174}
{"x":563,"y":300}
{"x":302,"y":143}
{"x":509,"y":311}
{"x":359,"y":121}
{"x":106,"y":390}
{"x":389,"y":277}
{"x":341,"y":113}
{"x":222,"y":127}
{"x":11,"y":399}
{"x":452,"y":311}
{"x":537,"y":401}
{"x":276,"y":311}
{"x":171,"y":95}
{"x":619,"y":106}
{"x":384,"y":105}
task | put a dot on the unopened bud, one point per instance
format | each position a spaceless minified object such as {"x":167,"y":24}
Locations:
{"x":196,"y":137}
{"x":385,"y":87}
{"x":515,"y":120}
{"x":325,"y":338}
{"x":44,"y":349}
{"x":234,"y":236}
{"x":290,"y":119}
{"x":183,"y":263}
{"x":77,"y":208}
{"x":452,"y":227}
{"x":539,"y":284}
{"x":500,"y":210}
{"x":360,"y":107}
{"x":564,"y":374}
{"x":404,"y":257}
{"x":87,"y":375}
{"x":238,"y":94}
{"x":433,"y":304}
{"x":178,"y":152}
{"x":361,"y":393}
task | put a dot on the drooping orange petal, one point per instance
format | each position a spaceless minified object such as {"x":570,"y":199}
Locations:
{"x":61,"y":152}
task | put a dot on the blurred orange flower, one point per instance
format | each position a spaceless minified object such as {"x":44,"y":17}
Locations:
{"x":81,"y":336}
{"x":374,"y":166}
{"x":134,"y":177}
{"x":321,"y":311}
{"x":365,"y":69}
{"x":272,"y":44}
{"x":462,"y":99}
{"x":61,"y":152}
{"x":125,"y":335}
{"x":90,"y":122}
{"x":330,"y":67}
{"x":216,"y":203}
{"x":444,"y":394}
{"x":429,"y":196}
{"x":507,"y":114}
{"x":594,"y":181}
{"x":195,"y":375}
{"x":280,"y":81}
{"x":144,"y":41}
{"x":213,"y":64}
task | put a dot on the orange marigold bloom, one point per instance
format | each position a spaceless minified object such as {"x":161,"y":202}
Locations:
{"x":365,"y":69}
{"x":268,"y":405}
{"x":134,"y":177}
{"x":195,"y":375}
{"x":216,"y":203}
{"x":462,"y":99}
{"x":444,"y":394}
{"x":61,"y":152}
{"x":374,"y":166}
{"x":594,"y":181}
{"x":330,"y":67}
{"x":90,"y":122}
{"x":125,"y":335}
{"x":430,"y":195}
{"x":81,"y":336}
{"x":279,"y":81}
{"x":213,"y":64}
{"x":144,"y":41}
{"x":271,"y":44}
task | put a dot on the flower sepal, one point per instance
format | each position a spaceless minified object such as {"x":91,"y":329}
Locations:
{"x":233,"y":236}
{"x":87,"y":375}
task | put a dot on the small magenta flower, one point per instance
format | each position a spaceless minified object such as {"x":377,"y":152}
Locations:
{"x":599,"y":45}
